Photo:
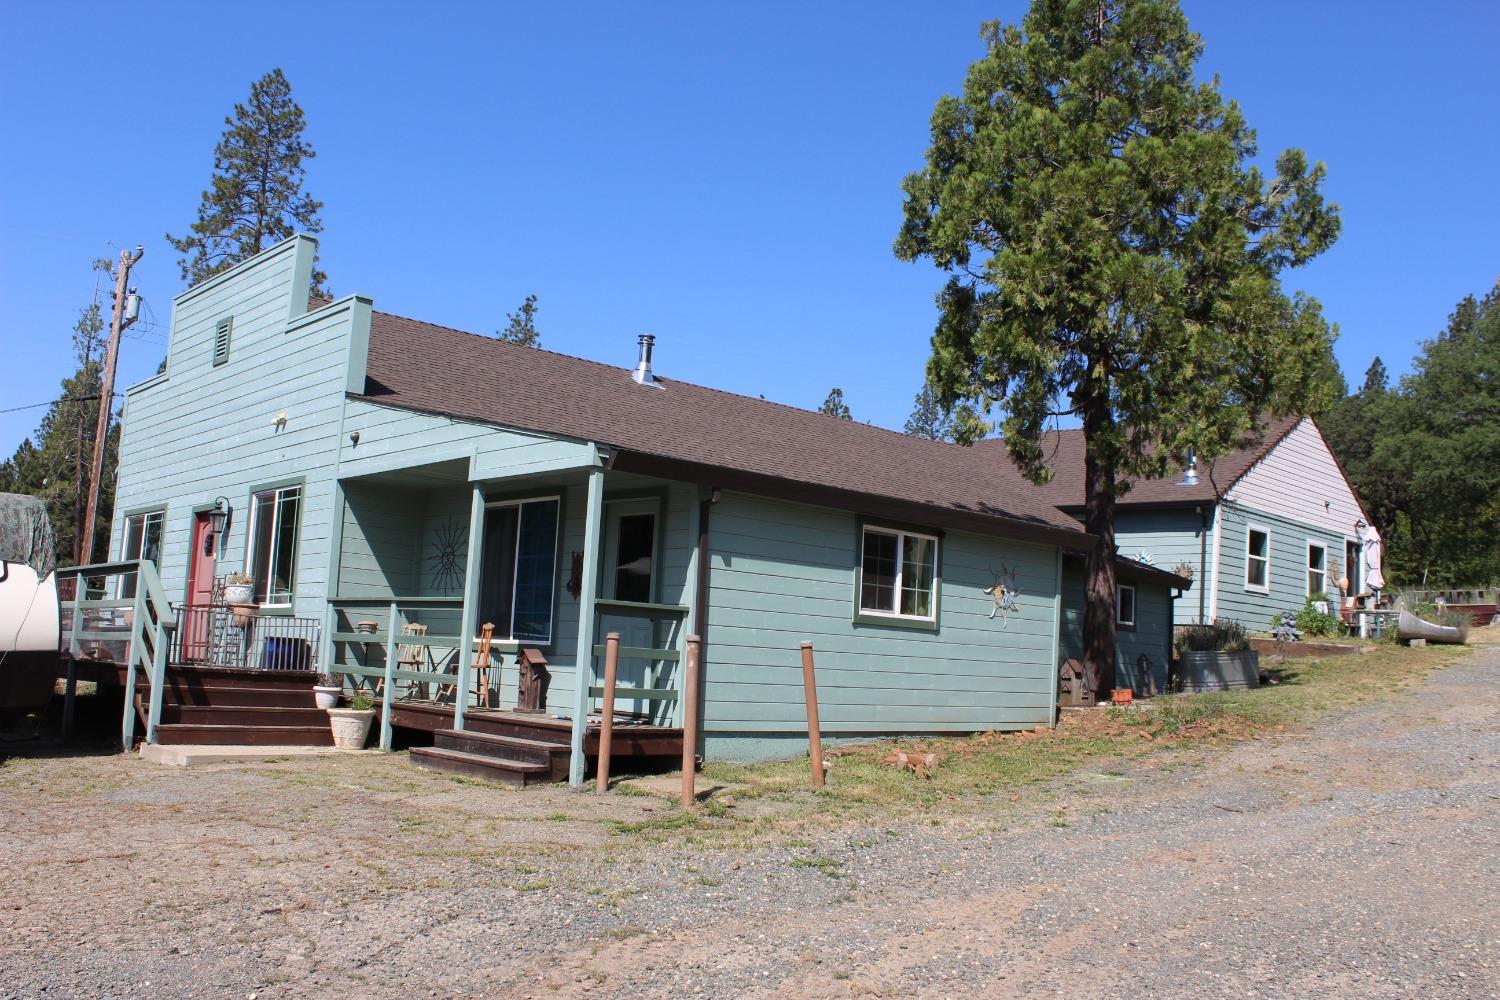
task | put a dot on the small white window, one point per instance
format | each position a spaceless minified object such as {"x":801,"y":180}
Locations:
{"x":272,"y":557}
{"x":1125,"y":605}
{"x":1258,"y":560}
{"x":898,"y":574}
{"x":142,"y":541}
{"x":1317,"y":569}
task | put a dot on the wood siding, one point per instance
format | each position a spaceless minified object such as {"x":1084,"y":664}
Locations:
{"x":1288,"y":572}
{"x":1151,"y":637}
{"x":783,"y":573}
{"x":1301,"y":481}
{"x":1170,"y":537}
{"x":200,"y":431}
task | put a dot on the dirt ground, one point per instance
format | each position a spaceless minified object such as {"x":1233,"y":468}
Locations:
{"x":1359,"y":857}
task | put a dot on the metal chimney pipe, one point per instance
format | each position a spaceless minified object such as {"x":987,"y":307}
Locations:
{"x":1190,"y":471}
{"x":642,"y":373}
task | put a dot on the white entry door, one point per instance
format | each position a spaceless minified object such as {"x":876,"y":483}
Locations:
{"x":631,"y":542}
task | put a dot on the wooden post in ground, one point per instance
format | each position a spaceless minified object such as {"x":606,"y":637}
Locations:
{"x":690,"y":722}
{"x":814,"y":731}
{"x":607,"y":720}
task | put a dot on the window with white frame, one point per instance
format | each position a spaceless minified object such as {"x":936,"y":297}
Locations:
{"x":1125,"y":605}
{"x":519,"y":569}
{"x":272,"y":557}
{"x":898,"y":574}
{"x":142,"y":541}
{"x":1258,"y":559}
{"x":1317,"y":569}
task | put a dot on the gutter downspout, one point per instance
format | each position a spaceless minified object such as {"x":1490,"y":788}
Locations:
{"x":1202,"y":565}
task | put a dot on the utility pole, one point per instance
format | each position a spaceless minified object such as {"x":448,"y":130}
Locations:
{"x":117,"y":324}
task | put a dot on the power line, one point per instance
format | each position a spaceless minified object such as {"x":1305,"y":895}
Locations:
{"x":53,"y":402}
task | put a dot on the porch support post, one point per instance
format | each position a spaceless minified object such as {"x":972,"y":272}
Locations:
{"x":583,"y":678}
{"x":389,"y":679}
{"x":469,"y":621}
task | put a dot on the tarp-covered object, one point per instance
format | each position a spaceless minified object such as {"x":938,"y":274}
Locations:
{"x":26,"y":533}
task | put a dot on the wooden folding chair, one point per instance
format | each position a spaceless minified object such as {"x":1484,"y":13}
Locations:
{"x":413,"y":656}
{"x":482,"y":665}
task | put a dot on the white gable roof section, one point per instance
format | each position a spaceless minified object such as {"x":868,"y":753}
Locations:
{"x":1300,"y":479}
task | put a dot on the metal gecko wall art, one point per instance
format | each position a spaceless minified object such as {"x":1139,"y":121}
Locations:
{"x":1003,"y":592}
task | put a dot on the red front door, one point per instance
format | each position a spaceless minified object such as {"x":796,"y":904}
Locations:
{"x":200,"y":589}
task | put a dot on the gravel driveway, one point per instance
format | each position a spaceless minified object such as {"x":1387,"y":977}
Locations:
{"x":1357,"y":859}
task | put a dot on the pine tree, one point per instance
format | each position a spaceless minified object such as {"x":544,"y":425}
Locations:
{"x":256,"y":200}
{"x":835,"y":406}
{"x":929,"y":419}
{"x":1114,"y":255}
{"x":53,"y":462}
{"x":522,"y":326}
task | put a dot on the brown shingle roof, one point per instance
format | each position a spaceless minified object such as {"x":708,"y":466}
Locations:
{"x":688,"y":429}
{"x":1064,"y":451}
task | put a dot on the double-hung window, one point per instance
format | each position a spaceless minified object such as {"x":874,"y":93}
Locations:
{"x":898,"y":574}
{"x":142,"y":541}
{"x":519,"y":570}
{"x":1125,"y":605}
{"x":272,"y":559}
{"x":1317,"y":569}
{"x":1258,"y":560}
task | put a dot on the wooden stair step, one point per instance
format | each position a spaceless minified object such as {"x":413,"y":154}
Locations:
{"x":266,"y":696}
{"x":553,"y":756}
{"x":472,"y":765}
{"x":229,"y":735}
{"x":243,"y":715}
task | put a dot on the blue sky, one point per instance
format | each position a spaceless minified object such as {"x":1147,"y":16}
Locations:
{"x":726,"y":177}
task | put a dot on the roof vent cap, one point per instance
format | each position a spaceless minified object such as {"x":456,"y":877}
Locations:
{"x":642,"y":374}
{"x":1190,"y":471}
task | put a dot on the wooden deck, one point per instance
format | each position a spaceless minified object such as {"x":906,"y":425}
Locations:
{"x":629,"y":740}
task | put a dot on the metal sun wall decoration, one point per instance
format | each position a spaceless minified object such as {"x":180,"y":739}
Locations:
{"x":1003,"y":592}
{"x":448,"y":555}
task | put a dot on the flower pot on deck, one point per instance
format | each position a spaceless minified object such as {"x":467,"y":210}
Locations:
{"x":351,"y":727}
{"x":238,"y":593}
{"x":244,"y":614}
{"x":327,"y":695}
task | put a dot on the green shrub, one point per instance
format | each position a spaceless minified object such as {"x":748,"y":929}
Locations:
{"x":1311,"y":621}
{"x":1223,"y":636}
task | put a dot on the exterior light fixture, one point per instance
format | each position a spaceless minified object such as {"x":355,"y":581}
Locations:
{"x":218,"y":518}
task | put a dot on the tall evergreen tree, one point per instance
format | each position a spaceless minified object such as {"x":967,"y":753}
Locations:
{"x":834,"y":405}
{"x":929,"y":419}
{"x":256,"y":199}
{"x":53,"y":463}
{"x":521,"y":328}
{"x":1114,"y":255}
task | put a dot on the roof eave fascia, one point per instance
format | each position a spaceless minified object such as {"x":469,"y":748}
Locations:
{"x":862,"y":503}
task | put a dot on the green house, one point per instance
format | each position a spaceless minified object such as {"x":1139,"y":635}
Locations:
{"x":378,"y":476}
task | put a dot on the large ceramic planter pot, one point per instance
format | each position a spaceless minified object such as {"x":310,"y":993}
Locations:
{"x":238,"y":593}
{"x":351,"y":727}
{"x":1219,"y":671}
{"x":326,"y":695}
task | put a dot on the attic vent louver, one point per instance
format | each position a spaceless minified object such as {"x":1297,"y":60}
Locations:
{"x":642,"y":373}
{"x":222,"y":331}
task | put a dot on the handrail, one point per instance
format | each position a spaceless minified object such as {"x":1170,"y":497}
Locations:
{"x":639,"y":608}
{"x":152,"y":620}
{"x":382,"y":601}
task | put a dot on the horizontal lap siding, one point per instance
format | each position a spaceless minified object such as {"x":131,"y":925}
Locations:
{"x":202,"y":431}
{"x":391,"y":438}
{"x":1151,"y":637}
{"x":1170,"y":537}
{"x":1288,"y":577}
{"x":379,"y":549}
{"x":783,"y":573}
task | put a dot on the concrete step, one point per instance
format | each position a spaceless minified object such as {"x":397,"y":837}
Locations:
{"x":471,"y":765}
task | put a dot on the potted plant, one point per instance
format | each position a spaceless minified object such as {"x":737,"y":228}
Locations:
{"x":351,"y":726}
{"x":326,"y":692}
{"x":1216,"y":657}
{"x":239,"y":594}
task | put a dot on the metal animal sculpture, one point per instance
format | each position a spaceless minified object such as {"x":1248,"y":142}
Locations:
{"x":1003,"y":593}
